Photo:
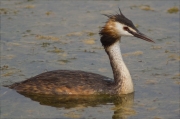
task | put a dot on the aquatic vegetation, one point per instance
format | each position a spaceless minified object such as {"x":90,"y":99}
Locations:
{"x":8,"y":11}
{"x":41,"y":37}
{"x":90,"y":33}
{"x":143,"y":7}
{"x":29,"y":6}
{"x":49,"y":13}
{"x":75,"y":34}
{"x":64,"y":61}
{"x":89,"y":41}
{"x":146,"y":7}
{"x":56,"y":50}
{"x":45,"y":44}
{"x":173,"y":10}
{"x":136,"y":53}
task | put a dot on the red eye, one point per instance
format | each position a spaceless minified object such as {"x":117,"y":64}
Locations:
{"x":126,"y":28}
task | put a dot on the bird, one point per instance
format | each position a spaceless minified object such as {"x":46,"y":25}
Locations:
{"x":76,"y":82}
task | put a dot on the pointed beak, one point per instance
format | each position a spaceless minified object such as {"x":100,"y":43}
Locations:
{"x":140,"y":35}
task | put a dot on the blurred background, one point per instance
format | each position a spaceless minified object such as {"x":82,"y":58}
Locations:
{"x":39,"y":36}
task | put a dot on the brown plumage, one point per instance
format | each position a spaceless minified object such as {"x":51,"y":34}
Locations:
{"x":109,"y":33}
{"x":66,"y":82}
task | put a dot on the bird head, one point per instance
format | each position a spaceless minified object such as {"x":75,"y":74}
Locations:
{"x":118,"y":25}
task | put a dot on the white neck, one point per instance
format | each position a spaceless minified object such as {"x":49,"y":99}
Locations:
{"x":122,"y":77}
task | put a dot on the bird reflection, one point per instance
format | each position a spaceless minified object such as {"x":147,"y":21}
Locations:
{"x":122,"y":103}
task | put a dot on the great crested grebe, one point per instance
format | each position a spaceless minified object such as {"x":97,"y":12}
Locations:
{"x":69,"y":82}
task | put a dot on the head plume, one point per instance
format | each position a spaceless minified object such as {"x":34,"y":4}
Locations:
{"x":119,"y":17}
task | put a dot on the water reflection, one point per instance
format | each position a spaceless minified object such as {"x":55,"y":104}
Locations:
{"x":122,"y":104}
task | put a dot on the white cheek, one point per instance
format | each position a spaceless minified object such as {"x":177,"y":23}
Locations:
{"x":121,"y":31}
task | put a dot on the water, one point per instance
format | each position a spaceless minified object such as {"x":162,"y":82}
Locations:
{"x":39,"y":36}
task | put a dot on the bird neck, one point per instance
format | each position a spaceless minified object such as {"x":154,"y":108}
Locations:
{"x":122,"y":77}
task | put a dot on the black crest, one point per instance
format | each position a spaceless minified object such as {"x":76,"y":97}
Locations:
{"x":107,"y":39}
{"x":121,"y":19}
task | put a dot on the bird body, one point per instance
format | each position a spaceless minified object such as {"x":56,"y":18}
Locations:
{"x":62,"y":82}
